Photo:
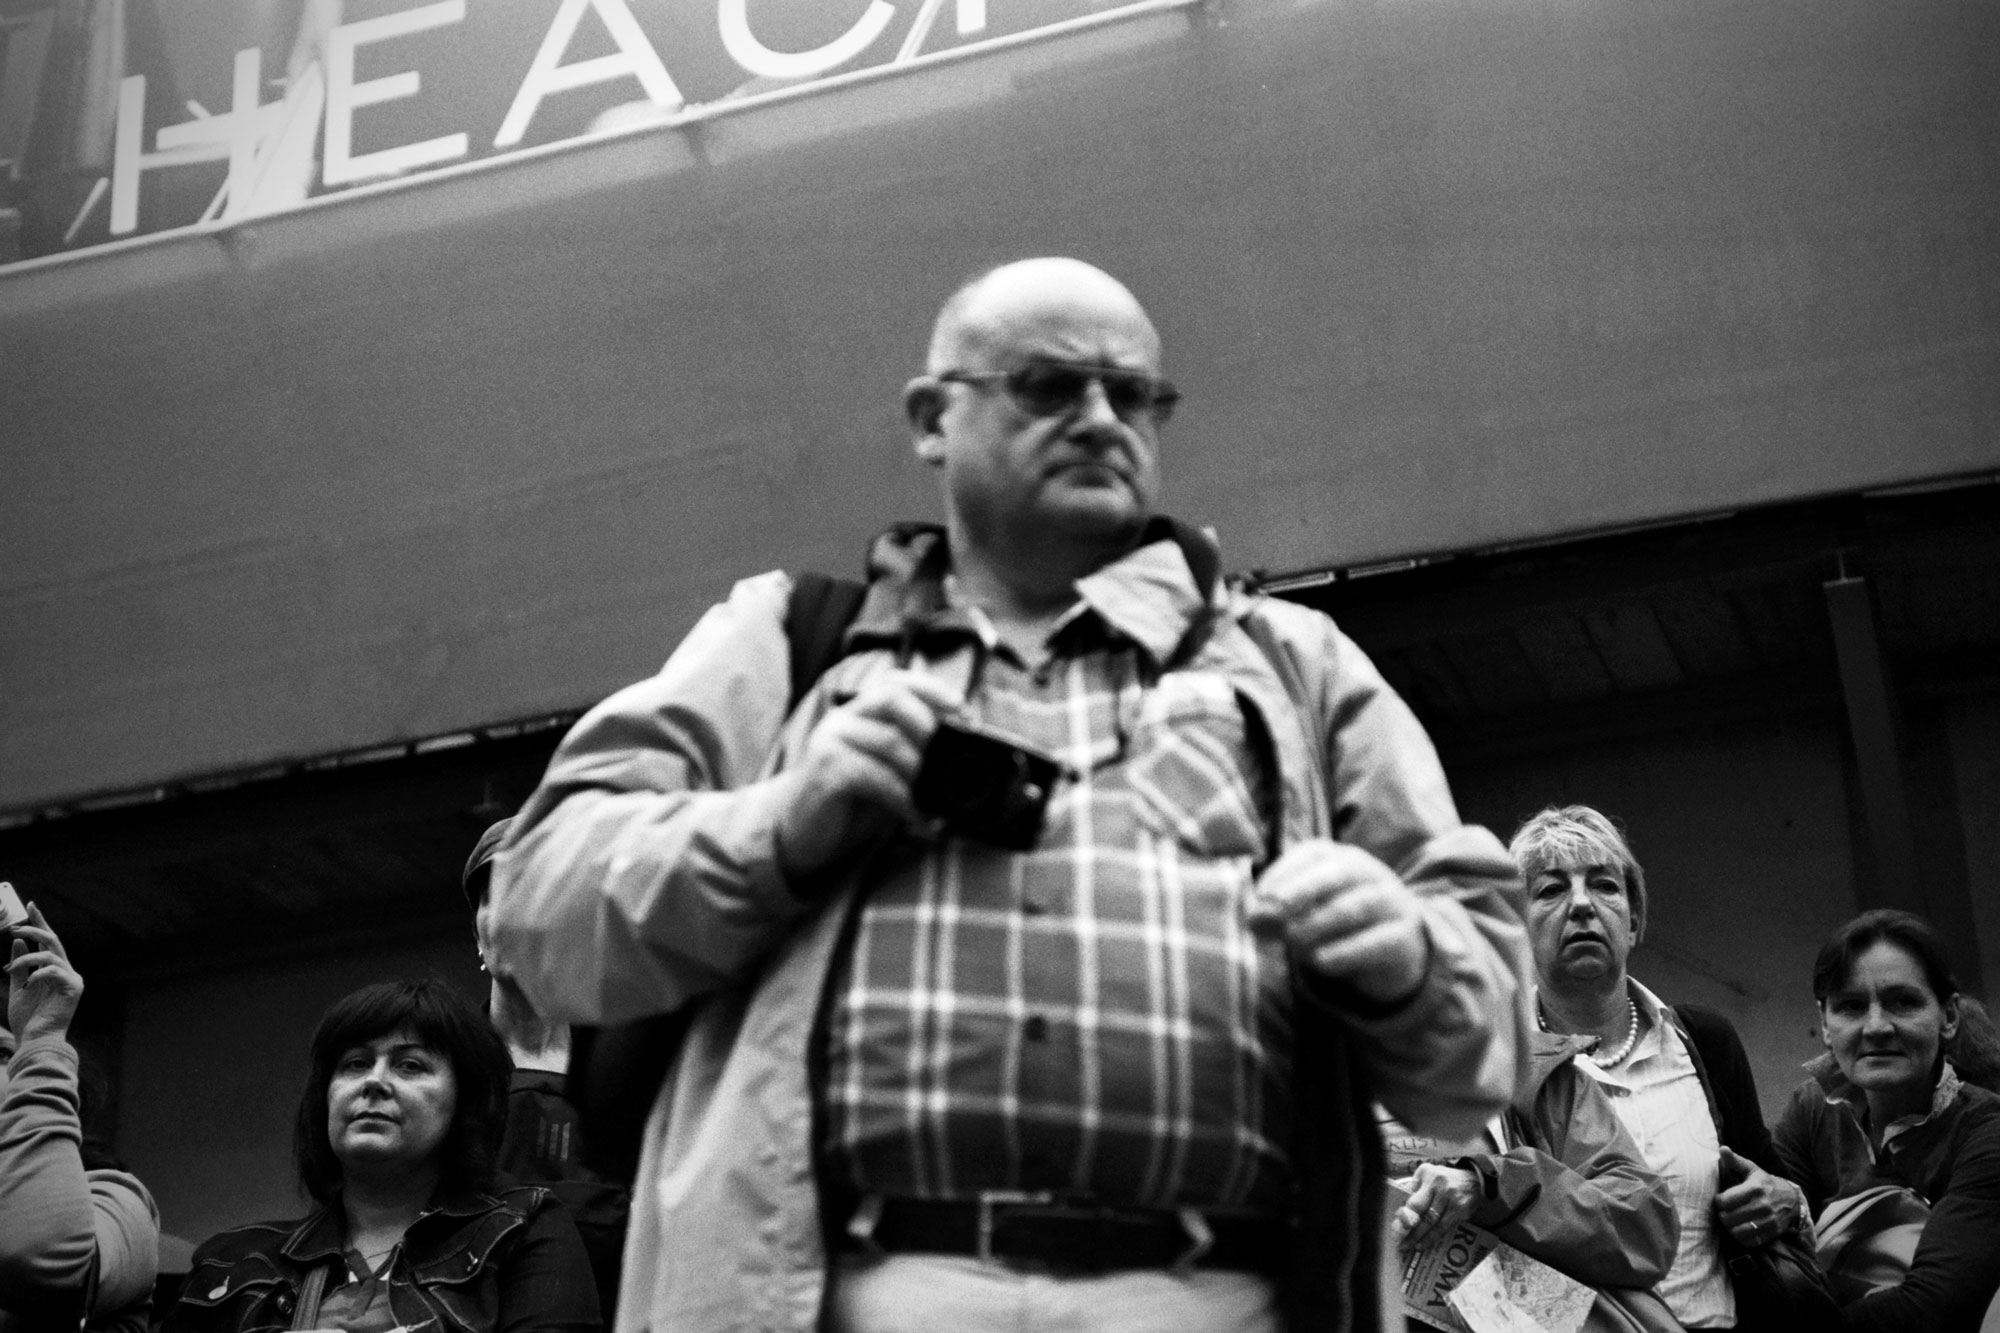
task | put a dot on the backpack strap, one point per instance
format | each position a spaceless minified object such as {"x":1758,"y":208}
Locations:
{"x":1304,"y":699}
{"x":615,"y":1072}
{"x":816,"y":622}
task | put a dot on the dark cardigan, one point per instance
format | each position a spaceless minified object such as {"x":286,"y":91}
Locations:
{"x":1725,"y":1072}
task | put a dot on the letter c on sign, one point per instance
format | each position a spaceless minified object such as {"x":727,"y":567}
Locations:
{"x":754,"y":56}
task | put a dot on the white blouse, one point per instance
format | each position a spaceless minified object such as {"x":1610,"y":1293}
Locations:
{"x":1659,"y":1097}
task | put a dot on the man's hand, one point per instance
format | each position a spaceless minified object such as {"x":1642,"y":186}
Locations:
{"x":1444,"y":1196}
{"x":1348,"y":916}
{"x":853,"y":778}
{"x":42,"y":988}
{"x":1759,"y":1206}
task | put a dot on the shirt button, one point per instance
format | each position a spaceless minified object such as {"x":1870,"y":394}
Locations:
{"x":1036,"y":1028}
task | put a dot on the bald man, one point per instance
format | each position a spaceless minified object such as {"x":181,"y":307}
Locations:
{"x":1043,"y":962}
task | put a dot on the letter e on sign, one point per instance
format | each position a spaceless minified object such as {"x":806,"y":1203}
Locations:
{"x":344,"y":96}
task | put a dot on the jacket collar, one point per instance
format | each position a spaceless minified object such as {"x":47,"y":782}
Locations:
{"x":1548,"y":1052}
{"x":1155,"y":595}
{"x":323,"y":1235}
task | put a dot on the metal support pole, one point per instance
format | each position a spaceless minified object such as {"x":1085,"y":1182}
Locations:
{"x":1864,"y":680}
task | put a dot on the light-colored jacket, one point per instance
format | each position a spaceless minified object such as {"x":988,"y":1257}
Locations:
{"x":641,"y":877}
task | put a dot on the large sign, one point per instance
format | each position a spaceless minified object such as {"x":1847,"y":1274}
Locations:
{"x":123,"y":117}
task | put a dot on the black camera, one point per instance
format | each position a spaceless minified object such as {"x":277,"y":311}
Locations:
{"x":983,"y":786}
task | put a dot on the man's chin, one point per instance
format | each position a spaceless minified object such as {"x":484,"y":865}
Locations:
{"x":1107,"y":513}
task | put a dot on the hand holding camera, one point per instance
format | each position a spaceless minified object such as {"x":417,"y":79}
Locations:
{"x":42,"y":988}
{"x":852,"y":782}
{"x":895,"y":753}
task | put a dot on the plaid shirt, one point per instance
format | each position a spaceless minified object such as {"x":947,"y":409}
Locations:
{"x":1092,"y":1017}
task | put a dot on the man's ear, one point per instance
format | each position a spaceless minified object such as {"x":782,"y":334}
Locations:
{"x":924,"y":402}
{"x":1824,"y":1039}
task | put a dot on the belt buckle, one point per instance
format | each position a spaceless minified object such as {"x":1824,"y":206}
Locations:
{"x":991,"y":1199}
{"x":1201,"y":1239}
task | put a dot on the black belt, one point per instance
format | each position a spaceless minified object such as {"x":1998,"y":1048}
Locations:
{"x":1068,"y":1236}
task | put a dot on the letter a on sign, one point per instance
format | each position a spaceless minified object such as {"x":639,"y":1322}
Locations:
{"x":635,"y":59}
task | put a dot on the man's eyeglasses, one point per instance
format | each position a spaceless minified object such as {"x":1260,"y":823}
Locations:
{"x":1052,"y":388}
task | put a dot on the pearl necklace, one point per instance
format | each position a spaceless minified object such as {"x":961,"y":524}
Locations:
{"x":1624,"y":1047}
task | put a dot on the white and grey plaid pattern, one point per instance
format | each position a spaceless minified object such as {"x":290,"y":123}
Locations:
{"x":1092,"y":1017}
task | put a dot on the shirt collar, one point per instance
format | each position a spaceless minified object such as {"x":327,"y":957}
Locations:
{"x":1150,"y":595}
{"x":1651,"y":1007}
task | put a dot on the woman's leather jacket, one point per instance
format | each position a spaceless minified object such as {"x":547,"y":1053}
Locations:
{"x":472,"y":1262}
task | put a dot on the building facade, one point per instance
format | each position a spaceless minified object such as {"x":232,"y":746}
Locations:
{"x":1626,"y":379}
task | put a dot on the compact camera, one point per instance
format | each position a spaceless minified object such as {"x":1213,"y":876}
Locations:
{"x":984,"y":786}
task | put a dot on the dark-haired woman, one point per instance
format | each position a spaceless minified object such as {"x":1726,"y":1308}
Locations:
{"x":1884,"y":1107}
{"x":394,"y":1140}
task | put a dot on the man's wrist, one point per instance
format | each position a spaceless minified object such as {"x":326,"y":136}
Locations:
{"x":785,"y":840}
{"x":1404,"y":990}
